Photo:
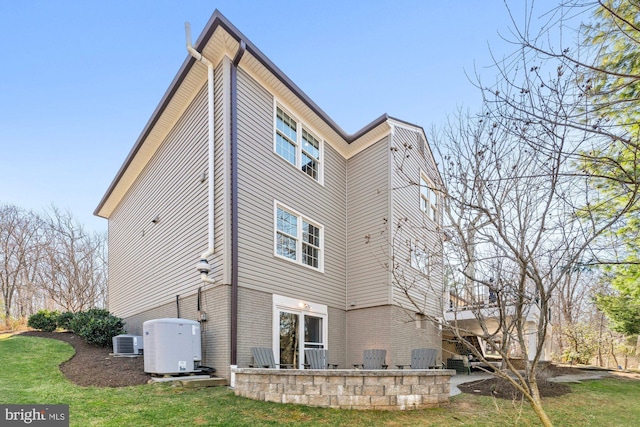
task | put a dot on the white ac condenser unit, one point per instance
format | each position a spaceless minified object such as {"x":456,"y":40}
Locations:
{"x":172,"y":346}
{"x":127,"y":345}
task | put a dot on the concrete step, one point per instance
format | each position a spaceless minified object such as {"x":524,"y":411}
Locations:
{"x":202,"y":382}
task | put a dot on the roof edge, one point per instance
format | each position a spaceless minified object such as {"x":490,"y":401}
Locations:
{"x":219,"y":20}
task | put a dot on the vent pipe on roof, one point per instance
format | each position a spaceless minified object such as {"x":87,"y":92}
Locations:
{"x":203,"y":264}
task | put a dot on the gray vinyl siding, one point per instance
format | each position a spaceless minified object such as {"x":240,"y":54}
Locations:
{"x":220,"y":260}
{"x":415,"y":226}
{"x":265,"y":177}
{"x":151,"y":263}
{"x":359,"y":198}
{"x":368,"y":195}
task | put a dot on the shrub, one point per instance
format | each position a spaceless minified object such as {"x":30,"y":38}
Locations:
{"x":44,"y":320}
{"x":13,"y":324}
{"x":64,"y":319}
{"x":97,"y":326}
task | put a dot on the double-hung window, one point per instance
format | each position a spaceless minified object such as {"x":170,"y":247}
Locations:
{"x":297,"y":145}
{"x":286,"y":136}
{"x":297,"y":238}
{"x":428,"y":198}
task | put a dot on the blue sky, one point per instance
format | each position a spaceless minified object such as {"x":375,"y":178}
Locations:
{"x":80,"y":79}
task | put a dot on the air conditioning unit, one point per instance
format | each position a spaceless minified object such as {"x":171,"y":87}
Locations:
{"x":172,"y":346}
{"x":127,"y":345}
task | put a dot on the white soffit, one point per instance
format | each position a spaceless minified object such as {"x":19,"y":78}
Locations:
{"x":220,"y":44}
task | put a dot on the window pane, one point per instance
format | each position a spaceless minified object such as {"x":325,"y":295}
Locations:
{"x":310,"y":234}
{"x":311,"y":243}
{"x":287,"y":222}
{"x":286,"y":125}
{"x":310,"y":144}
{"x":434,"y":205}
{"x":289,"y":338}
{"x":424,"y":195}
{"x":309,"y":166}
{"x":310,"y":154}
{"x":312,"y":329}
{"x":423,"y":262}
{"x":424,"y":188}
{"x":285,"y":148}
{"x":309,"y":255}
{"x":286,"y":246}
{"x":420,"y":260}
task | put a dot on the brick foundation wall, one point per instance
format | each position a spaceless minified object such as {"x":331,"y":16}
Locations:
{"x":347,"y":388}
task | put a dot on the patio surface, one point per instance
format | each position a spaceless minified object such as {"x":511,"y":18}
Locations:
{"x":463,"y":378}
{"x":476,"y":376}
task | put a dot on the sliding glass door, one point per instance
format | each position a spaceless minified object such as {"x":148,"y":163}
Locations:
{"x":299,"y":326}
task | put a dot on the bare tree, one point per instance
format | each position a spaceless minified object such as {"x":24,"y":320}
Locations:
{"x":73,"y":271}
{"x":49,"y":262}
{"x":522,"y":217}
{"x":572,"y":307}
{"x":20,"y":244}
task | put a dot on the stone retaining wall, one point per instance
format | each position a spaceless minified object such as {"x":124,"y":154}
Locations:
{"x":347,"y":388}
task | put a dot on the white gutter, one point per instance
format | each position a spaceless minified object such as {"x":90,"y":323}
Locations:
{"x":203,"y":264}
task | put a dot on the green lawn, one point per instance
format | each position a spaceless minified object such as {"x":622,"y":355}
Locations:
{"x":30,"y":374}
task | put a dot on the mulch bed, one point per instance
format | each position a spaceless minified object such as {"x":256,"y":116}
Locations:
{"x":503,"y":389}
{"x":93,"y":366}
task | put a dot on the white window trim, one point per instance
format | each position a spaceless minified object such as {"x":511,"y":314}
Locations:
{"x":298,"y":143}
{"x":299,"y":307}
{"x":301,"y":218}
{"x":425,"y":178}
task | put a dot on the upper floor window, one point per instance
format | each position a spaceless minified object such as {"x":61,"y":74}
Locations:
{"x":297,"y":145}
{"x":428,"y":198}
{"x":298,"y":238}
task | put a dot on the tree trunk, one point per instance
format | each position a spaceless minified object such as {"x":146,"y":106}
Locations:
{"x":600,"y":341}
{"x":613,"y":354}
{"x":7,"y":312}
{"x":536,"y":401}
{"x":542,"y":415}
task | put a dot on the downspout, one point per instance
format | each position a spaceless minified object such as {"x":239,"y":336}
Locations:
{"x":203,"y":265}
{"x":234,"y":202}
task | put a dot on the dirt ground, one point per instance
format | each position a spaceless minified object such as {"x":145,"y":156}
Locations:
{"x":503,"y":389}
{"x":93,"y":366}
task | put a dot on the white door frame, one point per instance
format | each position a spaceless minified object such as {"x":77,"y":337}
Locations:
{"x":301,"y":308}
